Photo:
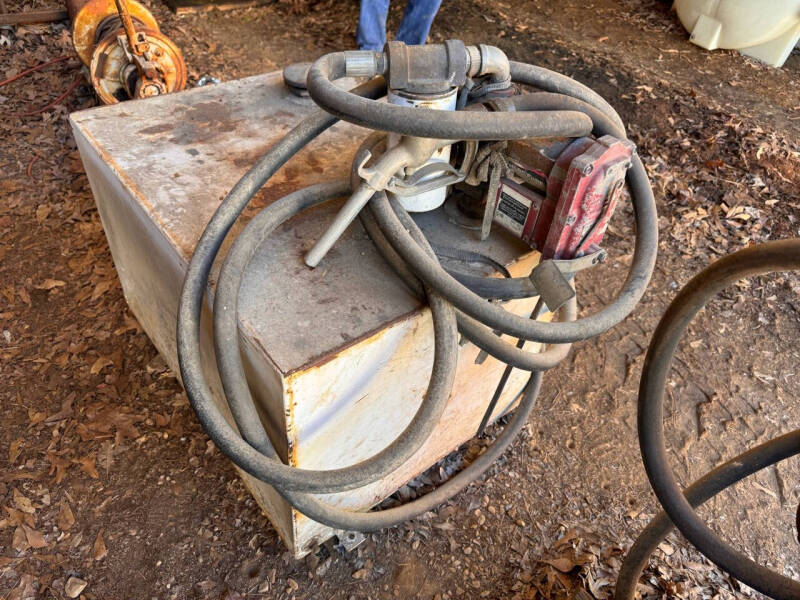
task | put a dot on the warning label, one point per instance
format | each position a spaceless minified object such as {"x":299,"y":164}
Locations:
{"x":513,"y":208}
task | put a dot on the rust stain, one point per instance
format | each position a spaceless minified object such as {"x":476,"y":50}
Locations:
{"x":368,"y":337}
{"x":128,"y":183}
{"x":203,"y":122}
{"x":289,"y":404}
{"x":154,"y":129}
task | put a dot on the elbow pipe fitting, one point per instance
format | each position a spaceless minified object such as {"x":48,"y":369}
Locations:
{"x":488,"y":60}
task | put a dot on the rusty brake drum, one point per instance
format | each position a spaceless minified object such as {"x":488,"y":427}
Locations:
{"x":89,"y":25}
{"x":115,"y":78}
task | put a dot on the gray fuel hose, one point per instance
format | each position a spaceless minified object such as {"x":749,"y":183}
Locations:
{"x":702,"y":490}
{"x":429,"y":123}
{"x":333,"y":516}
{"x":237,"y":392}
{"x":765,"y":258}
{"x":557,"y":83}
{"x":428,"y":270}
{"x":483,"y":337}
{"x":261,"y":462}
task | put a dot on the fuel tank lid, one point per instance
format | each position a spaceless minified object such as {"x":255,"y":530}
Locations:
{"x":294,"y":77}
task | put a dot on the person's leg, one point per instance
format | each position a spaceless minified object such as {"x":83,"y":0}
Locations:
{"x":371,"y":34}
{"x":417,"y":21}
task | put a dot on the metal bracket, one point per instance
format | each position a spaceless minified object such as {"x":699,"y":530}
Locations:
{"x":552,"y":277}
{"x":350,"y":540}
{"x":554,"y":289}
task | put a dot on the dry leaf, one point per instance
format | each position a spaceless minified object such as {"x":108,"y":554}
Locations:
{"x":87,"y":464}
{"x":99,"y":550}
{"x":131,"y":324}
{"x":66,"y":410}
{"x":42,"y":211}
{"x":100,"y":364}
{"x":58,"y":465}
{"x":17,"y":517}
{"x":20,"y":541}
{"x":36,"y":417}
{"x":101,"y":288}
{"x":563,"y":564}
{"x":35,"y":538}
{"x":22,"y":502}
{"x":49,"y":284}
{"x":106,"y":455}
{"x":65,"y":519}
{"x":14,"y":450}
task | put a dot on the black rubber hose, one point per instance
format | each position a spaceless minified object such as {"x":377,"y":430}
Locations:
{"x":495,"y":317}
{"x":196,"y":279}
{"x":702,"y":490}
{"x":189,"y":354}
{"x":471,"y":329}
{"x":430,"y":123}
{"x":428,"y":270}
{"x":757,"y":260}
{"x":551,"y":81}
{"x":308,"y":504}
{"x":237,"y":391}
{"x":483,"y":337}
{"x":256,"y":455}
{"x":488,"y":288}
{"x":507,"y":288}
{"x":603,"y":123}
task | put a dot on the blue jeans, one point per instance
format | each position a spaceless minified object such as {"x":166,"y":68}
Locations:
{"x":414,"y":28}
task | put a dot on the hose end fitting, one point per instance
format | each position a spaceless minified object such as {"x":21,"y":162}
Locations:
{"x":364,"y":63}
{"x":488,"y":60}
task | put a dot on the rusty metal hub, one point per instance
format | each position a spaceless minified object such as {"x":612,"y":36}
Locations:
{"x":115,"y":75}
{"x":126,"y":53}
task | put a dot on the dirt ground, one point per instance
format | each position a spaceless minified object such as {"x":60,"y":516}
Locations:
{"x":110,"y":479}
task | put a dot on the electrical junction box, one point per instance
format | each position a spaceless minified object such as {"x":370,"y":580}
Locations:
{"x":338,"y":357}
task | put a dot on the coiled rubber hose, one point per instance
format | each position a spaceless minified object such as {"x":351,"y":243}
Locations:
{"x":679,"y":507}
{"x":405,"y":247}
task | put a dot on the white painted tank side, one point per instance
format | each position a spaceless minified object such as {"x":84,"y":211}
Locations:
{"x":764,"y":29}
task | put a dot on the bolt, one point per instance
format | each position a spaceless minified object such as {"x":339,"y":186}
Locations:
{"x":151,"y":90}
{"x":587,"y":170}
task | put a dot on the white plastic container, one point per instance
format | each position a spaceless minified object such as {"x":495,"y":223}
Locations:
{"x":767,"y":30}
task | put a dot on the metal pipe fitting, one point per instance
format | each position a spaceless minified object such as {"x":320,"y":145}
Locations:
{"x":364,"y":63}
{"x":488,"y":60}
